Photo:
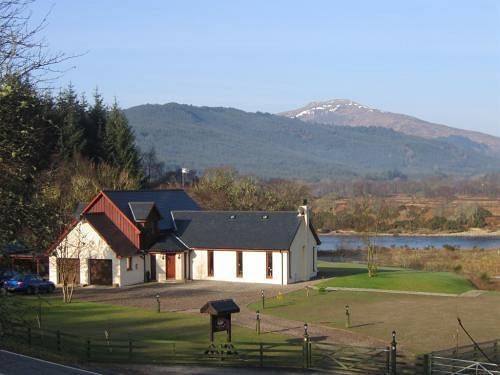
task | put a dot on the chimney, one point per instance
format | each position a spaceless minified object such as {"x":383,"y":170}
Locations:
{"x":304,"y":211}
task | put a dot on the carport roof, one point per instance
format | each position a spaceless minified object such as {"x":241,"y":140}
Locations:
{"x":168,"y":242}
{"x":118,"y":242}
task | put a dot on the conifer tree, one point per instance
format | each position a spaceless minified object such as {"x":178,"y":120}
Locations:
{"x":71,"y":124}
{"x":120,"y":143}
{"x":95,"y":129}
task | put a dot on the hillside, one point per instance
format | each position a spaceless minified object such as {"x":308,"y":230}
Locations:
{"x":345,"y":112}
{"x":276,"y":146}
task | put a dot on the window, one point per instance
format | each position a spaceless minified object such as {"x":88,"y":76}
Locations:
{"x":239,"y":264}
{"x":210,"y":263}
{"x":129,"y":263}
{"x":269,"y":265}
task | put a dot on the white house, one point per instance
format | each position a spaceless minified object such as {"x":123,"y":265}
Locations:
{"x":128,"y":237}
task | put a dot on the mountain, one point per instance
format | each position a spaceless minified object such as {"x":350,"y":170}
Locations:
{"x":269,"y":145}
{"x":345,"y":112}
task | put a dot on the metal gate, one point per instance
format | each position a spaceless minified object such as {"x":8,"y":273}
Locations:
{"x":444,"y":365}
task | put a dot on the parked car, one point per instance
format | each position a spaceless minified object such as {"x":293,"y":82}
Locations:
{"x":30,"y":284}
{"x":6,"y":275}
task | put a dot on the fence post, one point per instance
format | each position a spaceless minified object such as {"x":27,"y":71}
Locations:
{"x":427,"y":362}
{"x":261,"y":355}
{"x":393,"y":354}
{"x":58,"y":340}
{"x":29,"y":335}
{"x":387,"y":360}
{"x":309,"y":351}
{"x":88,"y":349}
{"x":495,"y":351}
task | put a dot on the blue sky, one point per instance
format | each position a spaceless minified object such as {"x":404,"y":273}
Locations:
{"x":437,"y":60}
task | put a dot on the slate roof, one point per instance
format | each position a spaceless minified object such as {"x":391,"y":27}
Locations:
{"x":118,"y":242}
{"x":165,"y":201}
{"x":222,"y":306}
{"x":168,"y":242}
{"x":254,"y":230}
{"x":141,"y":210}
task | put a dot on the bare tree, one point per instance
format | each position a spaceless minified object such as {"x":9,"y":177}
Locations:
{"x":23,"y":52}
{"x":68,"y":255}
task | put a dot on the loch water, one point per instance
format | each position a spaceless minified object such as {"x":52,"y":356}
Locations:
{"x":332,"y":242}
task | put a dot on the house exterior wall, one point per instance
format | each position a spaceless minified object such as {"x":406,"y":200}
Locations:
{"x":303,"y":255}
{"x":133,"y":276}
{"x":254,"y":266}
{"x":85,"y":243}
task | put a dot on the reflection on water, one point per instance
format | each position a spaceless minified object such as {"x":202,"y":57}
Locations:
{"x":352,"y":242}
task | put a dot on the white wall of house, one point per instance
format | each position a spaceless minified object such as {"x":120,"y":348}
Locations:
{"x":84,"y":242}
{"x":254,"y":266}
{"x":134,"y":275}
{"x":303,"y":255}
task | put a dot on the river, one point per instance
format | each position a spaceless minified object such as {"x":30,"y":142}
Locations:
{"x":351,"y":242}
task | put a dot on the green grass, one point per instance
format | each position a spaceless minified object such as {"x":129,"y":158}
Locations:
{"x":157,"y":337}
{"x":349,"y":275}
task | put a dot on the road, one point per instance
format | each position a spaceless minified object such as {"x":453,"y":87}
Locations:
{"x":18,"y":364}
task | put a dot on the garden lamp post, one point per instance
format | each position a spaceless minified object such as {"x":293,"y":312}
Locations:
{"x":347,"y":317}
{"x":258,"y":322}
{"x":158,"y":302}
{"x":262,"y":297}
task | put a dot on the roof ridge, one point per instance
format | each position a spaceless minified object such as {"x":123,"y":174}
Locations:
{"x":236,"y":211}
{"x":141,"y":190}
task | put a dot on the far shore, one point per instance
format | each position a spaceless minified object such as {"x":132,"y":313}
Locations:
{"x":474,"y":232}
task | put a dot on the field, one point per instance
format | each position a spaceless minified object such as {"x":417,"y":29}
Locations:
{"x":351,"y":275}
{"x":423,"y":323}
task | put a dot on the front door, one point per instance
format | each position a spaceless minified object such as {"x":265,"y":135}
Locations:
{"x":170,"y":266}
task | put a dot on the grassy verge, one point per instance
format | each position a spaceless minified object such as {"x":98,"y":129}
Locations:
{"x":351,"y":275}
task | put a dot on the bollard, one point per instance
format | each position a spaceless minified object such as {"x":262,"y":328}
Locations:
{"x":262,"y":297}
{"x":347,"y":317}
{"x":58,"y":337}
{"x":257,"y":324}
{"x":157,"y":302}
{"x":393,"y":353}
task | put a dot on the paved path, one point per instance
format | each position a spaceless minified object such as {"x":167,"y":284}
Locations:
{"x":470,"y":293}
{"x":19,"y":364}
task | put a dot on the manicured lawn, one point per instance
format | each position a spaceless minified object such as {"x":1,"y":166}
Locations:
{"x":351,"y":275}
{"x":423,"y":323}
{"x":156,"y":337}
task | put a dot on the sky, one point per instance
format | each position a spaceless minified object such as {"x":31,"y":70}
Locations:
{"x":436,"y":60}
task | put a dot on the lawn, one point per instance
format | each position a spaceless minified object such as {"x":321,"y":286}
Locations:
{"x":354,"y":275}
{"x":423,"y":323}
{"x":156,"y":337}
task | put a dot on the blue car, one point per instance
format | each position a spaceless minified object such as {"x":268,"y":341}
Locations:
{"x":30,"y":284}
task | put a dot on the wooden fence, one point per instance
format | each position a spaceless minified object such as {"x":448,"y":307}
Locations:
{"x":294,"y":353}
